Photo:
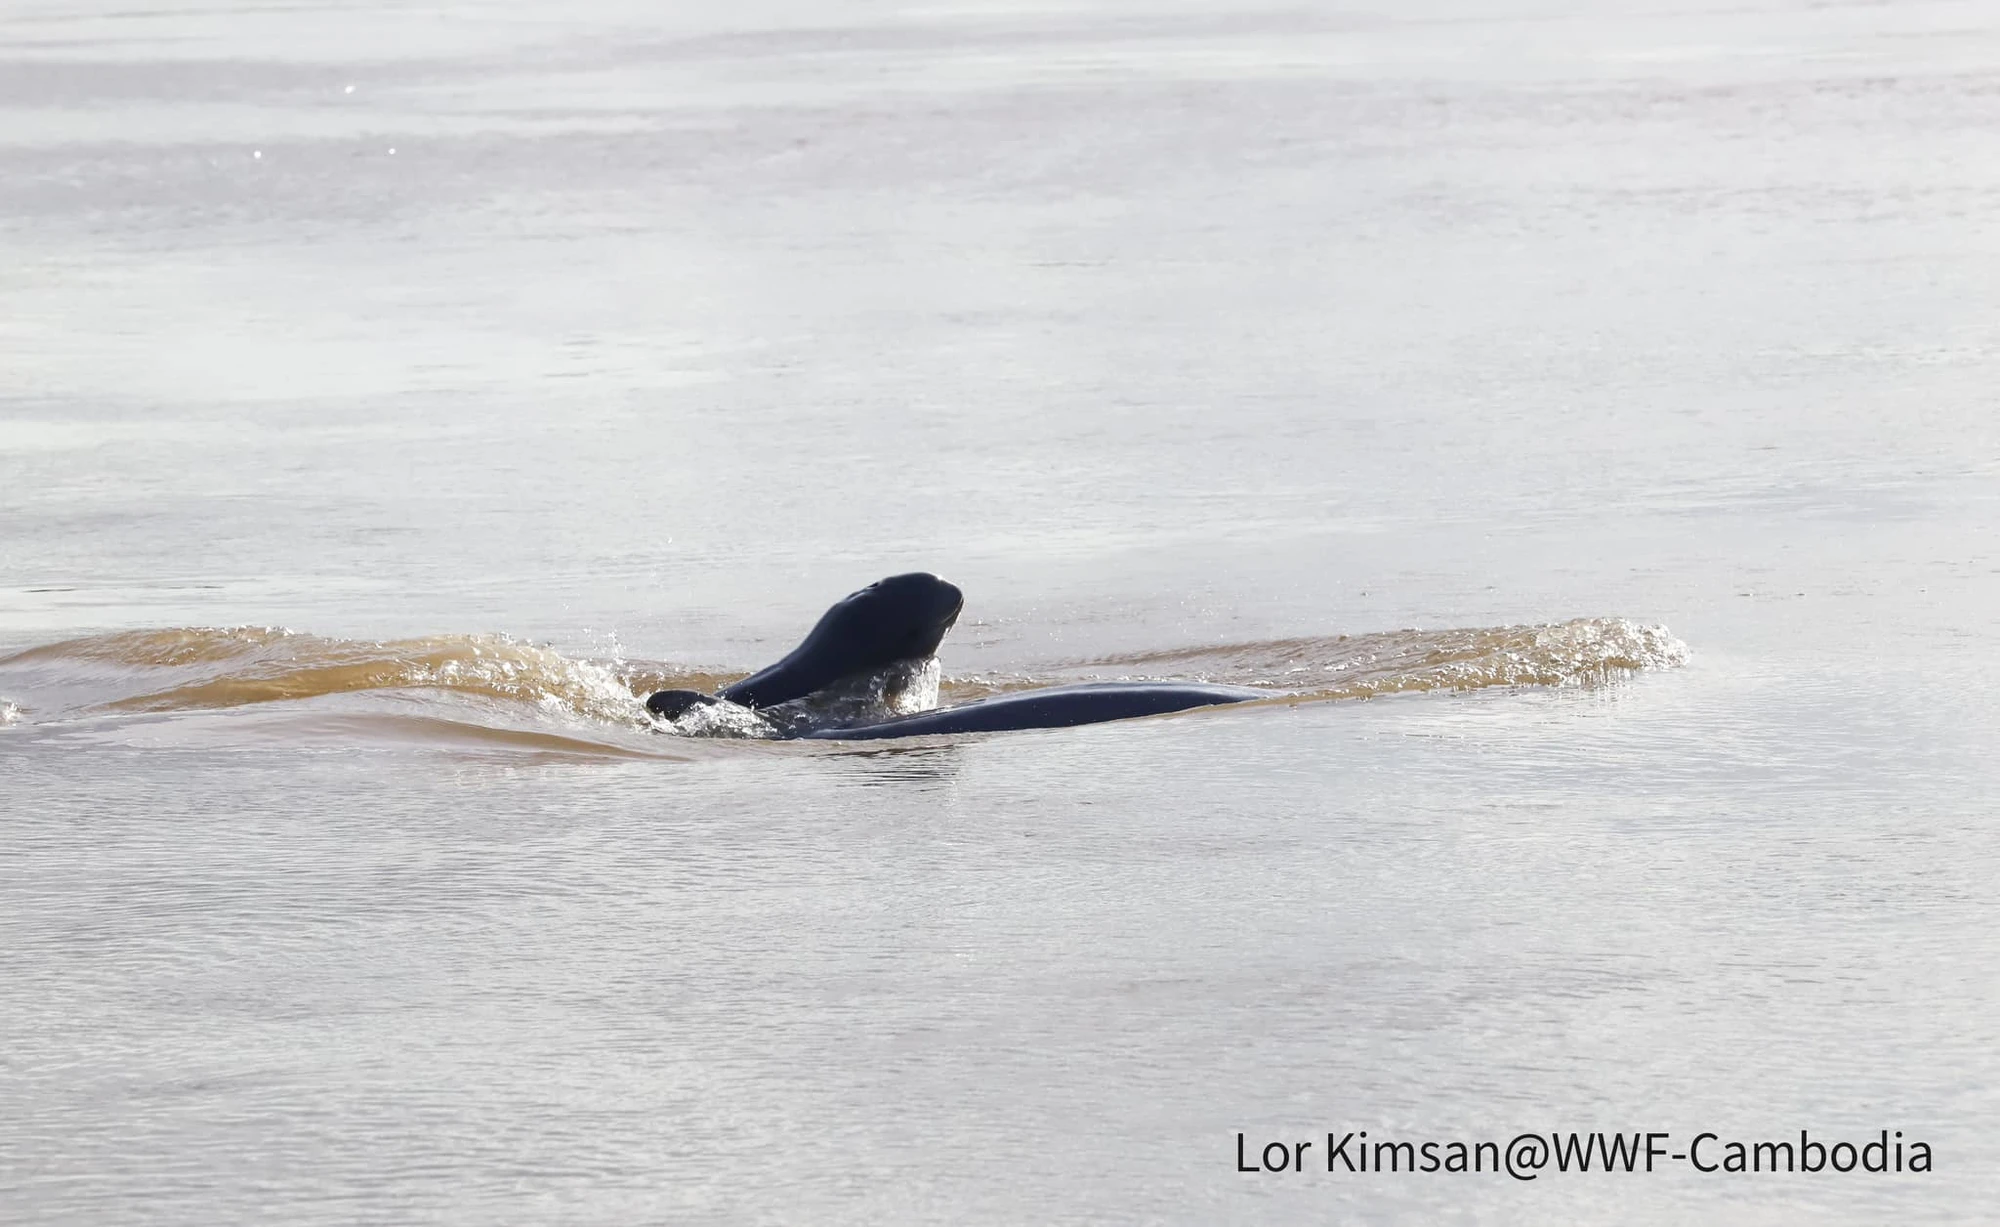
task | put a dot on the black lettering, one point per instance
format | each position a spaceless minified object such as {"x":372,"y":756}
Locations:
{"x":1920,"y":1156}
{"x":1812,"y":1156}
{"x":1455,"y":1157}
{"x":1572,"y":1150}
{"x":1764,"y":1157}
{"x":1852,"y":1158}
{"x":1694,"y":1152}
{"x":1652,"y":1152}
{"x":1618,"y":1151}
{"x":1879,"y":1148}
{"x":1338,"y":1152}
{"x":1733,"y":1157}
{"x":1430,"y":1150}
{"x":1241,"y":1166}
{"x":1284,"y":1156}
{"x":1480,"y":1153}
{"x":1403,"y":1150}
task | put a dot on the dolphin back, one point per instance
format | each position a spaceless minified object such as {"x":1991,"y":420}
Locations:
{"x":1056,"y":707}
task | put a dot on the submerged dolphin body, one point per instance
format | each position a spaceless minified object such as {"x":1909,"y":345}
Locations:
{"x":861,"y":674}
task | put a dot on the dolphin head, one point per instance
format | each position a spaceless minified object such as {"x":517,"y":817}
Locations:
{"x":901,"y":618}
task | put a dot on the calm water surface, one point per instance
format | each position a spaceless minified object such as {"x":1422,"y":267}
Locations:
{"x":514,"y":355}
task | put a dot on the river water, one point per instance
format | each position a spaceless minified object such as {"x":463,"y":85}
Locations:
{"x":1589,"y":417}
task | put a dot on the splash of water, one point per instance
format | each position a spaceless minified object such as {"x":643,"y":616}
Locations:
{"x":904,"y":688}
{"x":209,"y":667}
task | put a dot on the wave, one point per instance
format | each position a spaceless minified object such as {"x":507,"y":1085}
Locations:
{"x":191,"y":669}
{"x":1580,"y":652}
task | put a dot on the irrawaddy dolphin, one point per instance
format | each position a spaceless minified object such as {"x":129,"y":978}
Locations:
{"x":861,"y":674}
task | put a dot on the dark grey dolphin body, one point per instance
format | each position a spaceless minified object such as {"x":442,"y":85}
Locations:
{"x":901,"y":620}
{"x":1054,"y":708}
{"x":903,"y":617}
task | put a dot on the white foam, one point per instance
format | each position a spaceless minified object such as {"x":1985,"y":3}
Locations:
{"x":720,"y":719}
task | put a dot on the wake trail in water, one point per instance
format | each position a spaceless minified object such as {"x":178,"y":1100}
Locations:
{"x":1580,"y":652}
{"x":509,"y":692}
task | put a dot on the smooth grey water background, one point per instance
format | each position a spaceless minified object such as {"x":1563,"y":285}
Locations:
{"x":1151,"y":326}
